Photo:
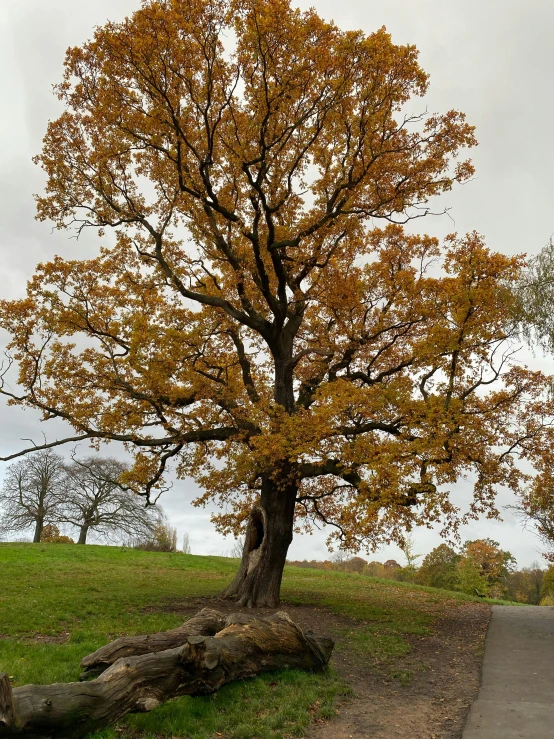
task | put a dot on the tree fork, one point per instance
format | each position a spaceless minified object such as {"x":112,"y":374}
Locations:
{"x":244,"y":648}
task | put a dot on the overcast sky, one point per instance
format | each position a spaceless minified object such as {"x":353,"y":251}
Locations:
{"x":491,"y":59}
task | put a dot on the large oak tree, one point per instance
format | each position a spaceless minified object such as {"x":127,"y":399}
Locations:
{"x":250,"y":320}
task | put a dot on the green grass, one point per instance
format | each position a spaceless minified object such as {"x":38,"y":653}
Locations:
{"x":274,"y":705}
{"x":86,"y":596}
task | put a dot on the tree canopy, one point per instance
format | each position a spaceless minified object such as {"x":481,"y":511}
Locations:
{"x":535,"y":291}
{"x":251,"y":320}
{"x":439,"y":568}
{"x":96,"y":503}
{"x":536,"y":504}
{"x":32,"y":493}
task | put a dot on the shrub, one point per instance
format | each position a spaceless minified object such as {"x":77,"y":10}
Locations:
{"x":162,"y":539}
{"x":51,"y":535}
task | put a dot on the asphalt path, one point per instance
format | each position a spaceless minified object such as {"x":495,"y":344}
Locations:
{"x":516,"y":698}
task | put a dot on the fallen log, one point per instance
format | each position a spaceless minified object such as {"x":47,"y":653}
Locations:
{"x":206,"y":623}
{"x":245,"y":647}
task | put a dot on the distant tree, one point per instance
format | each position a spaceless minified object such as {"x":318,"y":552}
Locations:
{"x":32,"y":492}
{"x":236,"y":551}
{"x":470,"y":578}
{"x":535,"y":290}
{"x":409,"y":572}
{"x":536,"y":504}
{"x":186,"y":548}
{"x":391,"y":564}
{"x":483,"y":567}
{"x":375,"y":569}
{"x":439,"y":568}
{"x":548,"y":585}
{"x":525,"y":585}
{"x":51,"y":535}
{"x":162,"y":538}
{"x":339,"y":559}
{"x":408,"y":550}
{"x":536,"y":580}
{"x":95,"y":501}
{"x":355,"y":564}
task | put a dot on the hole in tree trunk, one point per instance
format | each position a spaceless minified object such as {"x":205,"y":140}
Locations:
{"x":255,"y":540}
{"x":256,"y":534}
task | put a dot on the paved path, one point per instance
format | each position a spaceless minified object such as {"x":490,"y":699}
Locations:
{"x":516,"y":699}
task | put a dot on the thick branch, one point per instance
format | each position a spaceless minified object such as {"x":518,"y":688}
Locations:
{"x":183,"y":438}
{"x":206,"y":623}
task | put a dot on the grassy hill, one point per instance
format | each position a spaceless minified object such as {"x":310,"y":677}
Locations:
{"x":59,"y":602}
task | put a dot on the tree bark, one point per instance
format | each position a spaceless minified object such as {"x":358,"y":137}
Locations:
{"x":268,"y":537}
{"x":270,"y":526}
{"x":83,"y":531}
{"x":39,"y":525}
{"x":201,"y":666}
{"x":206,"y":623}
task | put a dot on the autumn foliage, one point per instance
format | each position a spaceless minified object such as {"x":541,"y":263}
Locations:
{"x":257,"y":313}
{"x":51,"y":535}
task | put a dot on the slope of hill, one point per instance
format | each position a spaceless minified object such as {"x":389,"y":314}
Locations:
{"x":402,"y":649}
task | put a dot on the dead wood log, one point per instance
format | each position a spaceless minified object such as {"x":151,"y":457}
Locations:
{"x":244,"y":648}
{"x":206,"y":623}
{"x":6,"y":702}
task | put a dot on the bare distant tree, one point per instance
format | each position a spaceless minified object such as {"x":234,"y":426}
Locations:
{"x":237,"y":548}
{"x":186,"y":544}
{"x":339,"y":558}
{"x":32,"y":493}
{"x":96,"y":502}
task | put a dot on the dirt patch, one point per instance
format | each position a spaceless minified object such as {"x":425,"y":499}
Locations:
{"x":61,"y":638}
{"x":314,"y":618}
{"x":425,"y":694}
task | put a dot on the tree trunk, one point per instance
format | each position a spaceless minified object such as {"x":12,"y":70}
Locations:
{"x":39,"y":525}
{"x":201,"y":666}
{"x":270,"y":527}
{"x":205,"y":623}
{"x":268,"y":537}
{"x":83,"y":531}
